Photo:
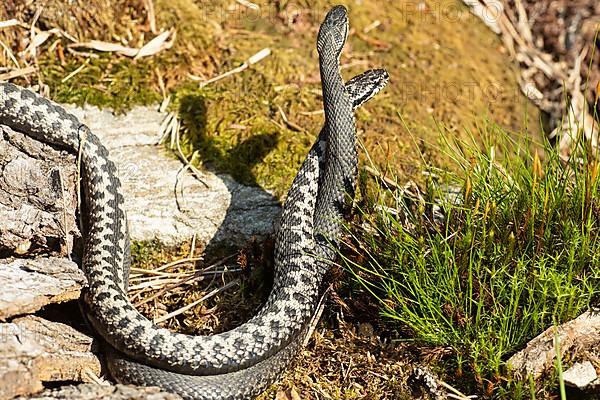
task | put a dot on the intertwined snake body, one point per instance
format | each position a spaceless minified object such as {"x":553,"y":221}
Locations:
{"x":240,"y":363}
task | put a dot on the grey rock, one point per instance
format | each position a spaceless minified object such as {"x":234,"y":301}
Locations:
{"x":160,"y":206}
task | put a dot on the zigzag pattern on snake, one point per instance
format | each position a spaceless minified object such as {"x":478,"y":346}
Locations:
{"x":240,"y":363}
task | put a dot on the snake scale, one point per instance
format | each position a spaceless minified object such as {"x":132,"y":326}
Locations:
{"x":242,"y":362}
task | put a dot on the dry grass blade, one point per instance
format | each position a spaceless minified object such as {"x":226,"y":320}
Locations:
{"x":183,"y":278}
{"x":483,"y":12}
{"x":195,"y":303}
{"x":181,"y":261}
{"x":17,"y":73}
{"x":38,"y":39}
{"x":151,"y":15}
{"x":10,"y":54}
{"x":252,"y":60}
{"x":137,"y":276}
{"x":76,"y":71}
{"x":293,"y":126}
{"x":456,"y":394}
{"x":249,"y":4}
{"x":154,"y":283}
{"x":170,"y":129}
{"x":9,"y":23}
{"x":387,"y":182}
{"x":106,"y":47}
{"x":371,"y":26}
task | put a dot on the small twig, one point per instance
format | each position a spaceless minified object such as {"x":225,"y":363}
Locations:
{"x":387,"y":181}
{"x":175,"y":140}
{"x":311,"y":113}
{"x":371,"y":26}
{"x":384,"y":377}
{"x":156,"y":283}
{"x":457,"y":394}
{"x":10,"y":54}
{"x":164,"y":105}
{"x":193,"y":246}
{"x":142,"y":271}
{"x":375,"y":42}
{"x":354,"y":64}
{"x":151,"y":16}
{"x":178,"y":262}
{"x":91,"y":376}
{"x":161,"y":83}
{"x":85,"y":54}
{"x":164,"y":129}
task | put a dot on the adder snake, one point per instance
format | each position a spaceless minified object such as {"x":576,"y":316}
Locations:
{"x":242,"y":362}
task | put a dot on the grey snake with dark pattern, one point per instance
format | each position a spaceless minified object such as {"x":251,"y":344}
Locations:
{"x":242,"y":362}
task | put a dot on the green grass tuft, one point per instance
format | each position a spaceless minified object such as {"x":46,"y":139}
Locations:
{"x":518,"y":252}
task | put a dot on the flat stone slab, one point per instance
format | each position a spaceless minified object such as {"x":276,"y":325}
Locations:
{"x":169,"y":206}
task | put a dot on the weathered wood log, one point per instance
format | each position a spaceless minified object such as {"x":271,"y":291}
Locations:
{"x":104,"y":392}
{"x":576,"y":336}
{"x":38,"y":197}
{"x":34,"y":350}
{"x":30,"y":284}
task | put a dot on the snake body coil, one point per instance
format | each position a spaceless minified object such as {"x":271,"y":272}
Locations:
{"x":240,"y":363}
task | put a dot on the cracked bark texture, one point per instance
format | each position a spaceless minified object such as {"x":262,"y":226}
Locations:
{"x":37,"y":197}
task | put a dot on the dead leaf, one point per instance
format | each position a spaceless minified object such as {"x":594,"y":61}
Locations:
{"x":36,"y":41}
{"x":107,"y":47}
{"x":159,"y":43}
{"x":156,"y":45}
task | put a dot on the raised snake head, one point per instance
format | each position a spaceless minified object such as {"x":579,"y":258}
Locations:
{"x":333,"y":32}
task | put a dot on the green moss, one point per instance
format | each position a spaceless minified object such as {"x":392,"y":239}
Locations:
{"x":443,"y":67}
{"x":244,"y":141}
{"x":117,"y":83}
{"x":146,"y":254}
